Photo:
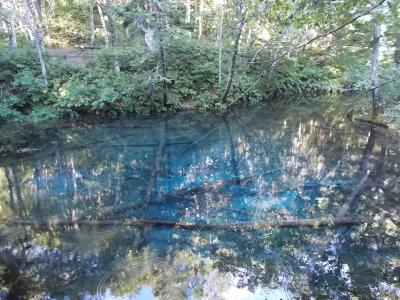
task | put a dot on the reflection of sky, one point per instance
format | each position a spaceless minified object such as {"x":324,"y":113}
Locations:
{"x":232,"y":293}
{"x":145,"y":293}
{"x":259,"y":294}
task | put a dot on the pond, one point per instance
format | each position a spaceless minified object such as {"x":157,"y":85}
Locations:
{"x":259,"y":203}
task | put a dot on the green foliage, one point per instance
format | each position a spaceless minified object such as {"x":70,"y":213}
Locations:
{"x":43,"y":113}
{"x":98,"y":88}
{"x":8,"y":113}
{"x":23,"y":95}
{"x":118,"y":81}
{"x":301,"y":78}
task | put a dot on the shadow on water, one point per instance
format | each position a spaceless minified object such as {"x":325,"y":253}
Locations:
{"x":259,"y":203}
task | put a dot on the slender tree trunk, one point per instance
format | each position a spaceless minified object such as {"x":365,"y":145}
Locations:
{"x":151,"y":92}
{"x":111,"y":26}
{"x":239,"y":30}
{"x":201,"y":8}
{"x":103,"y":25}
{"x":188,"y":16}
{"x":397,"y":50}
{"x":9,"y":22}
{"x":40,"y":33}
{"x":163,"y":62}
{"x":12,"y":37}
{"x":32,"y":29}
{"x":91,"y":23}
{"x":219,"y":44}
{"x":376,"y":99}
{"x":127,"y":34}
{"x":46,"y":24}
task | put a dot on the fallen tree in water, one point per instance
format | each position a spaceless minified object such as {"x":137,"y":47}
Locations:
{"x":237,"y":226}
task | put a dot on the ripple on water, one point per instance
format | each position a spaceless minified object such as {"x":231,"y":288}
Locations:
{"x":136,"y":279}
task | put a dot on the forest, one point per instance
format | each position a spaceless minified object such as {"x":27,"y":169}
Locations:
{"x":199,"y":149}
{"x":70,"y":58}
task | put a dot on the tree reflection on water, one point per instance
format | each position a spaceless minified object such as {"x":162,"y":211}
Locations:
{"x":76,"y":215}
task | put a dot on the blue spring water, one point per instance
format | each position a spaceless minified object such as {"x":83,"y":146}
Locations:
{"x":70,"y":211}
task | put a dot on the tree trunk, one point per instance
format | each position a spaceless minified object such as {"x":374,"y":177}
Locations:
{"x":103,"y":25}
{"x":397,"y":50}
{"x":9,"y":22}
{"x":242,"y":21}
{"x":219,"y":44}
{"x":235,"y":227}
{"x":40,"y":33}
{"x":91,"y":23}
{"x":127,"y":34}
{"x":187,"y":4}
{"x":163,"y":62}
{"x":32,"y":29}
{"x":46,"y":24}
{"x":12,"y":37}
{"x":151,"y":92}
{"x":111,"y":26}
{"x":376,"y":99}
{"x":201,"y":8}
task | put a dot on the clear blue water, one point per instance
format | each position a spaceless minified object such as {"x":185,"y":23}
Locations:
{"x":161,"y":207}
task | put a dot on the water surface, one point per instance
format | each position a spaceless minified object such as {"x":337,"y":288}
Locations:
{"x":164,"y":207}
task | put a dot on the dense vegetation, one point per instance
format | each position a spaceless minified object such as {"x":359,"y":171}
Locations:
{"x":153,"y":56}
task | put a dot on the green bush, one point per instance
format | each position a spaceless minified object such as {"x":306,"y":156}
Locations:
{"x":300,"y":78}
{"x":118,"y":81}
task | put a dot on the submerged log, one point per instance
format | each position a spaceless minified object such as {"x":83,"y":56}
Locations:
{"x":237,"y":226}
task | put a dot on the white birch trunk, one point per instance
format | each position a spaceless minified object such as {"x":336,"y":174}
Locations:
{"x":12,"y":37}
{"x":219,"y":44}
{"x":127,"y":34}
{"x":376,"y":99}
{"x":188,"y":12}
{"x":46,"y":24}
{"x":91,"y":23}
{"x":40,"y":34}
{"x":103,"y":25}
{"x":9,"y":22}
{"x":111,"y":24}
{"x":32,"y":29}
{"x":201,"y":8}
